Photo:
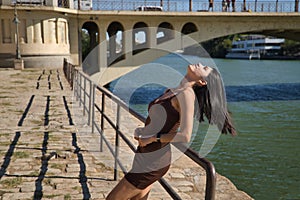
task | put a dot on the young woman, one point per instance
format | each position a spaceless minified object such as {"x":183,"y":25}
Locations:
{"x":170,"y":119}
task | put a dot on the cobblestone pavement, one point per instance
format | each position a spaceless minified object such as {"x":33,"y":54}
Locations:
{"x":48,"y":151}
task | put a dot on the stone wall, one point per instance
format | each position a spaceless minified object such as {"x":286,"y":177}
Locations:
{"x":41,"y":35}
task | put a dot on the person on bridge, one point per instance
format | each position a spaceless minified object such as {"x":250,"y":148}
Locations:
{"x":233,"y":5}
{"x":228,"y":5}
{"x":210,"y":5}
{"x":224,"y":6}
{"x":170,"y":120}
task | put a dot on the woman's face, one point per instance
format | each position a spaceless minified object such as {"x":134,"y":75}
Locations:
{"x":198,"y":71}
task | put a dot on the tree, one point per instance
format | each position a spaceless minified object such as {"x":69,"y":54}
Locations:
{"x":85,"y":41}
{"x":217,"y":48}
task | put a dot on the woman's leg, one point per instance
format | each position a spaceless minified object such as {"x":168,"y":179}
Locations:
{"x":123,"y":191}
{"x":143,"y":195}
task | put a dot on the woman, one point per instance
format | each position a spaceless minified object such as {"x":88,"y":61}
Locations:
{"x":171,"y":120}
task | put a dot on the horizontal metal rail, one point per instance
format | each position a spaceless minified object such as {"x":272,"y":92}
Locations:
{"x":96,"y":108}
{"x":199,"y":6}
{"x":177,"y":6}
{"x":84,"y":86}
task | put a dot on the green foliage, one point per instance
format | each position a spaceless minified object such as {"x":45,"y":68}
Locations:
{"x":291,"y":48}
{"x":21,"y":154}
{"x":85,"y":41}
{"x":11,"y":182}
{"x":67,"y":197}
{"x":217,"y":48}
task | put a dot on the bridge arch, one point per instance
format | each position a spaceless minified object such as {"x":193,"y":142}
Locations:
{"x":91,"y":30}
{"x":140,"y":37}
{"x":116,"y":43}
{"x":165,"y":32}
{"x":188,"y":28}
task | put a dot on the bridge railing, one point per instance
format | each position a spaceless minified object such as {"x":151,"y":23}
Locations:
{"x":94,"y":98}
{"x":179,"y":6}
{"x":200,"y":5}
{"x":58,"y":3}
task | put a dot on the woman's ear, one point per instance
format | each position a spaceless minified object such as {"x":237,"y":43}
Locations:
{"x":202,"y":82}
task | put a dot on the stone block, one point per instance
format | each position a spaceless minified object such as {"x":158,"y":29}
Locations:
{"x":19,"y":64}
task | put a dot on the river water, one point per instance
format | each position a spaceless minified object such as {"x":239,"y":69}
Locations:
{"x":264,"y":98}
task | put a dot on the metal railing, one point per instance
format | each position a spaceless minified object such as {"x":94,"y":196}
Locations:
{"x":60,"y":3}
{"x":69,"y":69}
{"x":82,"y":90}
{"x":94,"y":93}
{"x":30,"y":2}
{"x":180,"y":6}
{"x":200,"y":5}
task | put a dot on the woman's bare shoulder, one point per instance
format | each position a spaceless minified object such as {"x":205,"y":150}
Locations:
{"x":187,"y":93}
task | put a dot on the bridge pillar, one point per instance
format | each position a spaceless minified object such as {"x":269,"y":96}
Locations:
{"x":152,"y":37}
{"x":1,"y":36}
{"x":74,"y":31}
{"x":112,"y":45}
{"x":51,"y":30}
{"x":53,"y":3}
{"x":102,"y":49}
{"x":6,"y":2}
{"x":128,"y":42}
{"x":37,"y":34}
{"x":7,"y":31}
{"x":29,"y":31}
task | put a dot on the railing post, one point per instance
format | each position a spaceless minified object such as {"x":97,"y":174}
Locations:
{"x":90,"y":102}
{"x":72,"y":76}
{"x":68,"y":71}
{"x":117,"y":143}
{"x":80,"y":75}
{"x":210,"y":183}
{"x":102,"y":120}
{"x":75,"y":84}
{"x":93,"y":108}
{"x":84,"y":94}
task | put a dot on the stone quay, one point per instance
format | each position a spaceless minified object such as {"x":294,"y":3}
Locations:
{"x":49,"y":152}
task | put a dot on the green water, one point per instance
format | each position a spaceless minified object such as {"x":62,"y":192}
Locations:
{"x":264,"y":98}
{"x":263,"y":160}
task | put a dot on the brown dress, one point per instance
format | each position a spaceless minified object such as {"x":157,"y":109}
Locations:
{"x":153,"y":161}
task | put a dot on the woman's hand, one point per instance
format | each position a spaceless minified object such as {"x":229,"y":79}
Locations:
{"x":138,"y":132}
{"x":145,"y":141}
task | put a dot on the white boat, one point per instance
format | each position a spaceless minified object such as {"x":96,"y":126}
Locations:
{"x":255,"y":47}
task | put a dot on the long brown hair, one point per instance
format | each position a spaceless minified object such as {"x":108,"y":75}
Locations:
{"x":212,"y":103}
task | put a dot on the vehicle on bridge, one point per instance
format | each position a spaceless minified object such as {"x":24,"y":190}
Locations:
{"x":84,"y":4}
{"x":149,"y":8}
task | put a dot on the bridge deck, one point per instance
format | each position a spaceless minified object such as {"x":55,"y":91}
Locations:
{"x":47,"y":152}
